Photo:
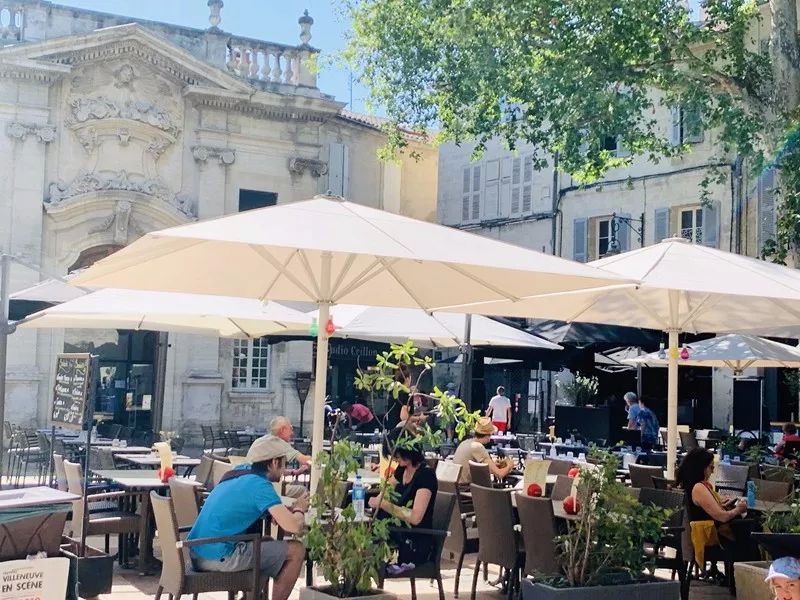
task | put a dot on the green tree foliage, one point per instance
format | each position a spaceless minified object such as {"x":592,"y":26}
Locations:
{"x":573,"y":77}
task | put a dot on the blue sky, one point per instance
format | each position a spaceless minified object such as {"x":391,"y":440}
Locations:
{"x":272,"y":20}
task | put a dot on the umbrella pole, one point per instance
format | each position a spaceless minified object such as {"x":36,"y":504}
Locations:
{"x":5,"y":291}
{"x":672,"y":403}
{"x":321,"y":375}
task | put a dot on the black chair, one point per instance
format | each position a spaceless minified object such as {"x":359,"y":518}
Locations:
{"x":442,"y":511}
{"x":673,"y":532}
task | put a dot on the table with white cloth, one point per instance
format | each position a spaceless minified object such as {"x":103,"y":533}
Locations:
{"x":32,"y":520}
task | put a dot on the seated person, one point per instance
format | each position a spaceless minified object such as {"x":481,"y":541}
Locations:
{"x":784,"y":578}
{"x":789,"y":435}
{"x":282,"y":432}
{"x":244,"y":496}
{"x":415,"y":485}
{"x":360,"y":417}
{"x":474,"y":449}
{"x":709,"y":513}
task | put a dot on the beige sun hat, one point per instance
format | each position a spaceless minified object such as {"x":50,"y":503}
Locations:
{"x":266,"y":448}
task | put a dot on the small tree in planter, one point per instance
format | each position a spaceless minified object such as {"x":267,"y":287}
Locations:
{"x":605,"y":545}
{"x":350,"y":553}
{"x":578,"y":392}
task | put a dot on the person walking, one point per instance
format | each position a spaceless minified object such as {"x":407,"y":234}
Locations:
{"x":632,"y":409}
{"x":499,"y":410}
{"x":648,"y":425}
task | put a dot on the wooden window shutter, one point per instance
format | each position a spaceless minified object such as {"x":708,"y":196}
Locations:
{"x":579,"y":239}
{"x":711,"y":225}
{"x":767,"y":220}
{"x":660,"y":224}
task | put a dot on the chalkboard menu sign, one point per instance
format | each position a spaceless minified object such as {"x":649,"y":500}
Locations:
{"x":73,"y":372}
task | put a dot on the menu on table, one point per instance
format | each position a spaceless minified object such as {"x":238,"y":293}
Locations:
{"x":73,"y":372}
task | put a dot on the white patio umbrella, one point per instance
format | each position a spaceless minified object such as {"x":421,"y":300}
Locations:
{"x":329,"y":251}
{"x":428,"y":330}
{"x":733,"y":351}
{"x":683,"y":287}
{"x":168,"y":311}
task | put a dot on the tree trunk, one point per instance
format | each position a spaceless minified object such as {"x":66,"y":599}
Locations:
{"x":785,"y":54}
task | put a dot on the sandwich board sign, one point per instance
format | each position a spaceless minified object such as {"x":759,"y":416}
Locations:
{"x":39,"y":579}
{"x":73,"y":375}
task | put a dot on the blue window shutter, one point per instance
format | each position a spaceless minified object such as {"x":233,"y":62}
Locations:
{"x":579,"y":240}
{"x":624,"y":233}
{"x":660,"y":224}
{"x":711,"y":225}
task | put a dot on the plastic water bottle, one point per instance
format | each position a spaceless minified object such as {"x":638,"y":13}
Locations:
{"x":359,"y":493}
{"x":553,"y":452}
{"x":726,"y":459}
{"x":751,"y":494}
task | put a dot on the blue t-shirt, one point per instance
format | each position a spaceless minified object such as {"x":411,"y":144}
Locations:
{"x":649,"y":424}
{"x":229,"y":510}
{"x":633,"y":413}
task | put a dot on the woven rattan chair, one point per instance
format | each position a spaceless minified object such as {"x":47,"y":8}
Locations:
{"x":562,"y":487}
{"x":442,"y":511}
{"x":642,"y":475}
{"x":559,"y":467}
{"x":463,"y":538}
{"x":177,"y":575}
{"x":499,"y":543}
{"x":538,"y":534}
{"x":184,"y":501}
{"x":480,"y":474}
{"x":772,"y":491}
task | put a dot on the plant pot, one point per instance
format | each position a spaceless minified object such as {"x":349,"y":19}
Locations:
{"x":778,"y":545}
{"x":93,"y":573}
{"x":649,"y":590}
{"x":322,"y":593}
{"x":750,"y":582}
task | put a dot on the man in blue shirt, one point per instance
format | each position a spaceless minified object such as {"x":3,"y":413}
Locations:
{"x":632,"y":408}
{"x":648,"y":425}
{"x":244,"y":496}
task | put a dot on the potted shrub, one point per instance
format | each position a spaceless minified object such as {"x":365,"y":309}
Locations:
{"x":348,"y":552}
{"x":602,"y":552}
{"x":781,"y":535}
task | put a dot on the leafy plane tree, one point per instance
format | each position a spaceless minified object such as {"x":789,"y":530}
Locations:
{"x":585,"y":77}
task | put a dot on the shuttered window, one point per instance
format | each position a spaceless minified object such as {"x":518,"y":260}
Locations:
{"x":767,"y":218}
{"x":579,"y":239}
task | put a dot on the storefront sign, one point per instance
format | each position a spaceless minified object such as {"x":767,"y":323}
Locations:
{"x":354,"y":350}
{"x":40,"y":579}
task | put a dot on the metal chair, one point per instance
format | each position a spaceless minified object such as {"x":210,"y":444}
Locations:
{"x":499,"y":543}
{"x":442,"y":511}
{"x":177,"y":575}
{"x":538,"y":534}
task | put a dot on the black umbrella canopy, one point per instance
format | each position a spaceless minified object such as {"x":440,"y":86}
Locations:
{"x":585,"y":334}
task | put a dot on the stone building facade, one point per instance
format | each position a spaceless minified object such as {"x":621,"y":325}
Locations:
{"x":112,"y":128}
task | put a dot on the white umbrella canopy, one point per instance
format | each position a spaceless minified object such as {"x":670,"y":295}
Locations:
{"x":682,"y":287}
{"x":427,"y":330}
{"x":329,"y":251}
{"x":733,"y":351}
{"x":168,"y":311}
{"x":49,"y":290}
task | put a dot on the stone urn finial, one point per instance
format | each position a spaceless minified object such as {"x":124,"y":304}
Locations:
{"x":305,"y":21}
{"x":214,"y":17}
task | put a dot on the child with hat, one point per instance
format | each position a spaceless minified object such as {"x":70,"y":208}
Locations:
{"x":784,"y":578}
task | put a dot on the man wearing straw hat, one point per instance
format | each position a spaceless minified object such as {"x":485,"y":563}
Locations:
{"x":474,"y":449}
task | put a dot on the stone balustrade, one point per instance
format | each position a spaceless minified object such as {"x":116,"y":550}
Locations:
{"x":270,"y":63}
{"x":12,"y":20}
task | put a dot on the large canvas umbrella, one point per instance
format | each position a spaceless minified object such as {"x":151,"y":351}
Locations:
{"x":174,"y":312}
{"x":329,"y":251}
{"x":683,"y":287}
{"x":428,"y":330}
{"x":733,"y":351}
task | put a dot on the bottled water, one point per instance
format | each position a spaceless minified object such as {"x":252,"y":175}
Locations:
{"x":359,"y":493}
{"x":751,"y":494}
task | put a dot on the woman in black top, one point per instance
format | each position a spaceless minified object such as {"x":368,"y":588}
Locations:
{"x":415,"y":485}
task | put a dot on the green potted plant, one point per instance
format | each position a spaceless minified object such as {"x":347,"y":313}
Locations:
{"x":348,"y":552}
{"x":602,"y":551}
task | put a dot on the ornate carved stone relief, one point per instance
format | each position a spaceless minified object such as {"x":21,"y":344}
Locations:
{"x":85,"y":109}
{"x":226,"y":156}
{"x":121,"y":220}
{"x":20,"y":131}
{"x":86,"y":182}
{"x":298,"y":166}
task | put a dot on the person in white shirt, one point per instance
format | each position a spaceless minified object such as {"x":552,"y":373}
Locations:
{"x":500,"y":410}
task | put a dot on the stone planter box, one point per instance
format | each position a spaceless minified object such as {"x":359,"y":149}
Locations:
{"x":651,"y":590}
{"x":750,"y":582}
{"x":320,"y":593}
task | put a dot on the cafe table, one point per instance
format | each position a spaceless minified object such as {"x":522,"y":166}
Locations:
{"x":78,"y":441}
{"x":153,"y":460}
{"x":32,"y":520}
{"x":764,"y":506}
{"x":367,"y":477}
{"x":145,"y":481}
{"x":125,"y":449}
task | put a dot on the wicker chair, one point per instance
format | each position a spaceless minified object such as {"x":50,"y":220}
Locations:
{"x":772,"y":491}
{"x":218,"y":470}
{"x":499,"y":543}
{"x":642,"y":475}
{"x":479,"y":473}
{"x":106,"y":523}
{"x":463,"y":537}
{"x":184,"y":501}
{"x":60,"y":472}
{"x":673,"y":533}
{"x":538,"y":534}
{"x":177,"y":574}
{"x":562,"y":487}
{"x":442,"y":511}
{"x":559,"y":467}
